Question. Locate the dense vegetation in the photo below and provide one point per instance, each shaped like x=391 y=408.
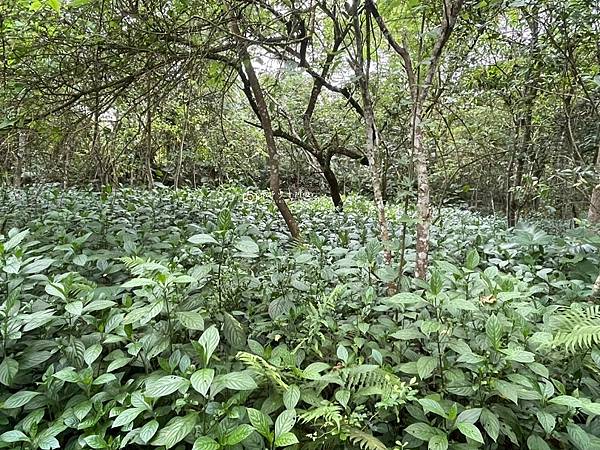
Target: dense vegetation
x=301 y=224
x=166 y=317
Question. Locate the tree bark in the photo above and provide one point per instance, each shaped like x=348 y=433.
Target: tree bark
x=19 y=155
x=421 y=158
x=371 y=135
x=267 y=126
x=594 y=209
x=332 y=181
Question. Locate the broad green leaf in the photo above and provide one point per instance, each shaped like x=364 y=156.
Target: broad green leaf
x=14 y=436
x=202 y=379
x=175 y=431
x=284 y=422
x=209 y=342
x=422 y=431
x=191 y=320
x=238 y=434
x=260 y=421
x=206 y=443
x=91 y=354
x=291 y=396
x=148 y=431
x=470 y=431
x=165 y=386
x=202 y=238
x=547 y=421
x=286 y=439
x=19 y=399
x=438 y=442
x=126 y=417
x=8 y=370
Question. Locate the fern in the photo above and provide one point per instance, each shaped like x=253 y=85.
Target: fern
x=578 y=328
x=364 y=440
x=328 y=414
x=369 y=379
x=263 y=368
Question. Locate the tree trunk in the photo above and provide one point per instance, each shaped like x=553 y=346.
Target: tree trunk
x=181 y=146
x=19 y=155
x=332 y=182
x=371 y=133
x=149 y=154
x=423 y=194
x=267 y=126
x=594 y=210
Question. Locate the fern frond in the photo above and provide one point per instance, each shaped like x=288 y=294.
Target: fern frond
x=329 y=414
x=263 y=368
x=578 y=328
x=368 y=379
x=364 y=440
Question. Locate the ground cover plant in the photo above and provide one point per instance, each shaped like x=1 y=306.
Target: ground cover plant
x=190 y=319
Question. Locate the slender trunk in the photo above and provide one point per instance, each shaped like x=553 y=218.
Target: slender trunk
x=265 y=119
x=149 y=156
x=19 y=155
x=181 y=146
x=371 y=133
x=594 y=209
x=423 y=194
x=332 y=182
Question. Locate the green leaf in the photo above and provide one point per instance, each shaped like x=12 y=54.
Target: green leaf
x=285 y=422
x=578 y=437
x=291 y=396
x=507 y=390
x=126 y=417
x=472 y=259
x=260 y=421
x=438 y=442
x=547 y=421
x=165 y=386
x=202 y=379
x=286 y=439
x=91 y=354
x=233 y=331
x=493 y=330
x=238 y=434
x=8 y=370
x=19 y=399
x=312 y=371
x=535 y=442
x=68 y=374
x=519 y=356
x=176 y=430
x=469 y=416
x=342 y=353
x=191 y=320
x=209 y=342
x=15 y=240
x=490 y=423
x=96 y=442
x=247 y=246
x=430 y=405
x=74 y=308
x=137 y=282
x=148 y=431
x=14 y=436
x=425 y=366
x=206 y=443
x=567 y=400
x=55 y=290
x=202 y=238
x=237 y=381
x=470 y=431
x=422 y=431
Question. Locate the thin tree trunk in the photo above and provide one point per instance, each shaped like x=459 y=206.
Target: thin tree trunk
x=332 y=181
x=181 y=146
x=594 y=209
x=149 y=154
x=423 y=194
x=267 y=126
x=371 y=134
x=19 y=155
